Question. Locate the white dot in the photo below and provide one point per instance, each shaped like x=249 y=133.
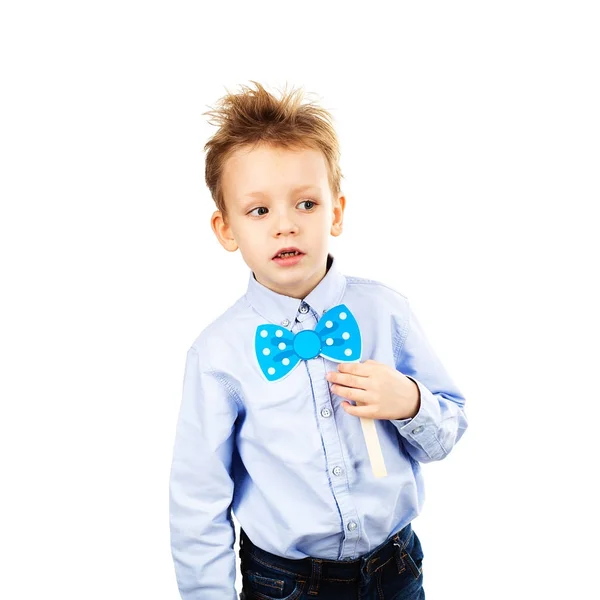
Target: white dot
x=282 y=346
x=286 y=361
x=343 y=315
x=266 y=352
x=329 y=324
x=279 y=333
x=348 y=352
x=264 y=333
x=345 y=335
x=271 y=370
x=329 y=341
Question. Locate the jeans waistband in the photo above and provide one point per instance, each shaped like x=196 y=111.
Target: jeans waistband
x=324 y=569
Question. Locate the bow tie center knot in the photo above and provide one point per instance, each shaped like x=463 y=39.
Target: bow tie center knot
x=307 y=344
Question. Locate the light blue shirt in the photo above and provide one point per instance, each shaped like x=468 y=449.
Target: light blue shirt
x=284 y=455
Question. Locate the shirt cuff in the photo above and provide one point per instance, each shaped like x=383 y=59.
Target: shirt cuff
x=423 y=425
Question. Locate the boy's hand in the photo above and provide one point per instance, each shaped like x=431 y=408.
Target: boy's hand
x=384 y=391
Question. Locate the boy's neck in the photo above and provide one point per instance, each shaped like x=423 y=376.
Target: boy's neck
x=308 y=291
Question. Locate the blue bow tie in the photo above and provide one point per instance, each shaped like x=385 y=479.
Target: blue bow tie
x=336 y=337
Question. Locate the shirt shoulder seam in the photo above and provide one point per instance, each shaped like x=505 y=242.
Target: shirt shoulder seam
x=218 y=374
x=364 y=281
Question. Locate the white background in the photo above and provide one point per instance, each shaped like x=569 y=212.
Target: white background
x=470 y=149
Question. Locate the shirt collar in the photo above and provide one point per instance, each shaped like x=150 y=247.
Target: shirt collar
x=283 y=310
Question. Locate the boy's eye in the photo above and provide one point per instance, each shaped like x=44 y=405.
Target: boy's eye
x=258 y=208
x=308 y=202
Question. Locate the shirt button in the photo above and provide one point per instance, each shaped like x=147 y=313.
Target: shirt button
x=285 y=322
x=337 y=470
x=418 y=429
x=352 y=526
x=325 y=413
x=304 y=308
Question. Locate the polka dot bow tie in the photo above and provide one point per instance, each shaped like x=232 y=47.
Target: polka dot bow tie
x=335 y=337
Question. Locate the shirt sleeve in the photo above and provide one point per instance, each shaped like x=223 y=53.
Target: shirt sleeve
x=441 y=420
x=201 y=485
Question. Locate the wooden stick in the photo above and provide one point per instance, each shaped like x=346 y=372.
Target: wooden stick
x=373 y=445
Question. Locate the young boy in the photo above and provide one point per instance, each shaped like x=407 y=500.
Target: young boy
x=325 y=490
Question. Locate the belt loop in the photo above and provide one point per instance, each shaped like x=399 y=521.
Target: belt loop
x=315 y=577
x=398 y=553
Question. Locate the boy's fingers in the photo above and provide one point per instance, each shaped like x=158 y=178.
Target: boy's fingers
x=359 y=369
x=356 y=394
x=358 y=411
x=353 y=381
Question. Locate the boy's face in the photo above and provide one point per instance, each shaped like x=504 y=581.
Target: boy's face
x=267 y=211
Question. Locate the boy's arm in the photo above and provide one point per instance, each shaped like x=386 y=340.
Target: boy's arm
x=201 y=486
x=441 y=421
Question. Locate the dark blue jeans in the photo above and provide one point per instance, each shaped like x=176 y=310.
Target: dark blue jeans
x=392 y=571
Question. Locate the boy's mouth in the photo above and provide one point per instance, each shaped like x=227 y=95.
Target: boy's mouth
x=288 y=253
x=288 y=257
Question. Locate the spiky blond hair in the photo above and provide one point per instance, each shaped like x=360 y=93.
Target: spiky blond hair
x=255 y=116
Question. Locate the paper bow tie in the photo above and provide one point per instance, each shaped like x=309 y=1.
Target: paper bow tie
x=336 y=337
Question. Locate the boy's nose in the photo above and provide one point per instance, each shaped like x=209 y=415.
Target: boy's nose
x=286 y=225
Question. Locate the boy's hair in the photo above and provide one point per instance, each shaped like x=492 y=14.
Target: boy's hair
x=255 y=117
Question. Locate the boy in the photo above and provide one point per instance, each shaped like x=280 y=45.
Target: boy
x=324 y=490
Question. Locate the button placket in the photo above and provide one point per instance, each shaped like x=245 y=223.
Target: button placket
x=331 y=444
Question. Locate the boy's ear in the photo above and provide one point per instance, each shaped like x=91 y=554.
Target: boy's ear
x=223 y=231
x=338 y=216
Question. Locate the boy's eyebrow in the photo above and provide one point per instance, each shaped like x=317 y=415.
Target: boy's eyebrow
x=299 y=188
